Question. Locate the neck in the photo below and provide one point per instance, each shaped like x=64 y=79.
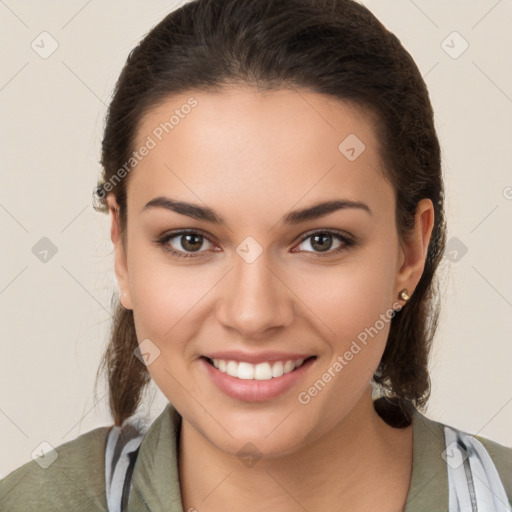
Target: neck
x=372 y=466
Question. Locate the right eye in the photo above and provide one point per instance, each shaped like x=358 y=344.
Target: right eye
x=188 y=240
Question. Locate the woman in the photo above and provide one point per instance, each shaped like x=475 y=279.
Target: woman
x=273 y=177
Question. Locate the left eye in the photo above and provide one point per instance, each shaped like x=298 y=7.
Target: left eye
x=321 y=242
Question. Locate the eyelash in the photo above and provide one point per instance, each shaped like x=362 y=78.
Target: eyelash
x=162 y=241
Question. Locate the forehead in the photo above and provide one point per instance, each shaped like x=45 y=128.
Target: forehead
x=240 y=146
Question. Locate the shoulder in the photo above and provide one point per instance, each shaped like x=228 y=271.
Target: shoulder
x=69 y=477
x=448 y=460
x=502 y=458
x=488 y=460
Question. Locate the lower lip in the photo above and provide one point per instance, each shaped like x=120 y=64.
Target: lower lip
x=251 y=390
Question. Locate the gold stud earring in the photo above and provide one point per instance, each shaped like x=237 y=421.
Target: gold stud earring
x=404 y=295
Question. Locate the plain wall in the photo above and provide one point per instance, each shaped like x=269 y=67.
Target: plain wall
x=55 y=315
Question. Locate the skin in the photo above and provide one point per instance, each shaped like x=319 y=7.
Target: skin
x=253 y=157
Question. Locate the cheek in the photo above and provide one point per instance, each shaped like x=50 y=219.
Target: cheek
x=353 y=305
x=350 y=297
x=162 y=293
x=165 y=299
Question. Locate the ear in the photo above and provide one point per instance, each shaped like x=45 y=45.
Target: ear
x=120 y=261
x=414 y=249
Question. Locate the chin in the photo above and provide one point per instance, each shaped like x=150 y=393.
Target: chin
x=259 y=447
x=262 y=437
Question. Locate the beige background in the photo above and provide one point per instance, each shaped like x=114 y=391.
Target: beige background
x=55 y=314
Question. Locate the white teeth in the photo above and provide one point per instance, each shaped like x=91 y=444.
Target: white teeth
x=232 y=368
x=260 y=371
x=245 y=371
x=263 y=371
x=277 y=369
x=289 y=366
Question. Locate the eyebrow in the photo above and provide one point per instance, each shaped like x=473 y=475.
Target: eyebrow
x=295 y=217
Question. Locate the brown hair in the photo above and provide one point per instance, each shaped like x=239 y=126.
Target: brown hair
x=332 y=47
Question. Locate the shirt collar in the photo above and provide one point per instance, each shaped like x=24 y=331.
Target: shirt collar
x=155 y=474
x=428 y=489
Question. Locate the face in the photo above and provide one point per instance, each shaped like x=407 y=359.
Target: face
x=262 y=276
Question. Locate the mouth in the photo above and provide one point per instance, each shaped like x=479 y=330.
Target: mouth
x=256 y=382
x=266 y=370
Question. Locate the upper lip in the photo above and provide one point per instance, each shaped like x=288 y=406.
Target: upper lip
x=255 y=358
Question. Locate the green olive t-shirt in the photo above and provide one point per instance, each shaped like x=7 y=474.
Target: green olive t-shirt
x=75 y=481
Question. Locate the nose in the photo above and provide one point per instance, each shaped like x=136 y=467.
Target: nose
x=255 y=299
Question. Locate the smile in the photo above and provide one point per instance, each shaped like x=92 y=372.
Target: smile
x=261 y=371
x=256 y=382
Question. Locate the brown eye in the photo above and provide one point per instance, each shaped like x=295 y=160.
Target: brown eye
x=183 y=244
x=191 y=242
x=321 y=242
